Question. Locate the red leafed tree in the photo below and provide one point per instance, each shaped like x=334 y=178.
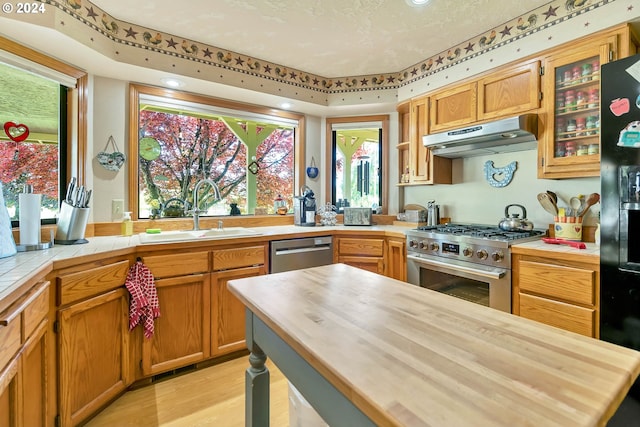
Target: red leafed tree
x=29 y=163
x=276 y=175
x=193 y=148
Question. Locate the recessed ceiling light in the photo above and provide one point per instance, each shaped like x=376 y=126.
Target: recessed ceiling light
x=285 y=105
x=415 y=3
x=172 y=82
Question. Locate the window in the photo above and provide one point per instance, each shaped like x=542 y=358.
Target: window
x=249 y=152
x=358 y=161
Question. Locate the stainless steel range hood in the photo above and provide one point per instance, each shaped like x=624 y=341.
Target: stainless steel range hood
x=505 y=135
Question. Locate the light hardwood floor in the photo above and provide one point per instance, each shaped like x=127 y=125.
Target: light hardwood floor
x=212 y=396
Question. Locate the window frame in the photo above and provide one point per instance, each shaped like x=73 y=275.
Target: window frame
x=384 y=119
x=75 y=113
x=135 y=90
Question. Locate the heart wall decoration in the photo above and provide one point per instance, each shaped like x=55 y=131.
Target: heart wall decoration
x=17 y=132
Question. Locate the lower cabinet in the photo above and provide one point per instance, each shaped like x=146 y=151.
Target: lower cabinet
x=364 y=253
x=396 y=259
x=181 y=333
x=93 y=354
x=228 y=313
x=559 y=292
x=23 y=365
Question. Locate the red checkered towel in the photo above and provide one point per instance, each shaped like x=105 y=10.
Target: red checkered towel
x=144 y=306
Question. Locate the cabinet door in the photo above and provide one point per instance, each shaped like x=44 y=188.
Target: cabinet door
x=454 y=107
x=570 y=146
x=569 y=317
x=181 y=333
x=34 y=377
x=419 y=155
x=228 y=322
x=373 y=264
x=93 y=354
x=396 y=262
x=509 y=92
x=10 y=410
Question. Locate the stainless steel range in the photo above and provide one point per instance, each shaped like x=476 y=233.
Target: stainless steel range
x=468 y=261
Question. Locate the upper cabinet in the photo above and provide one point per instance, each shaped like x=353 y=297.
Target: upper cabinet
x=510 y=91
x=454 y=107
x=417 y=164
x=570 y=145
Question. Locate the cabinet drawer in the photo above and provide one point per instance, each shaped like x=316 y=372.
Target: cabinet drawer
x=36 y=310
x=84 y=284
x=557 y=281
x=178 y=264
x=9 y=336
x=226 y=259
x=561 y=315
x=362 y=247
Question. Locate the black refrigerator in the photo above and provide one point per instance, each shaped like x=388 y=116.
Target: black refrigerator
x=620 y=215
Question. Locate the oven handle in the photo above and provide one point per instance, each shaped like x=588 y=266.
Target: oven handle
x=434 y=263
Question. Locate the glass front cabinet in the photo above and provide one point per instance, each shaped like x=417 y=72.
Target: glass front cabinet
x=571 y=142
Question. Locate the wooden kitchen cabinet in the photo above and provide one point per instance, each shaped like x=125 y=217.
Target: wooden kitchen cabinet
x=559 y=291
x=396 y=259
x=509 y=91
x=365 y=253
x=417 y=165
x=93 y=339
x=453 y=107
x=182 y=332
x=23 y=365
x=228 y=313
x=570 y=145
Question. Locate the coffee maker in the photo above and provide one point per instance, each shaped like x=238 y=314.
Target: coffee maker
x=304 y=208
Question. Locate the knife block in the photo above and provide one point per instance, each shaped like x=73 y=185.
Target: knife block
x=72 y=222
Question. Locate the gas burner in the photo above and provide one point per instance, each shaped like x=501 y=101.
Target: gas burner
x=479 y=231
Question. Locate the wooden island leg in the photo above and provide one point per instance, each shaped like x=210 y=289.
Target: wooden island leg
x=256 y=385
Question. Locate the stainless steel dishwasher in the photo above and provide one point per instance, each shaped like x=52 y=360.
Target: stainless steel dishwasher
x=294 y=254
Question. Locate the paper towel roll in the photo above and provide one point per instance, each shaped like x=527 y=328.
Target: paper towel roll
x=29 y=205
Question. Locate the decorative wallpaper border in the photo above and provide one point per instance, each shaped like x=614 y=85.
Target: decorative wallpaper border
x=95 y=20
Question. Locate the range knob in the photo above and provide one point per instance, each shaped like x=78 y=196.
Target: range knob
x=421 y=245
x=482 y=254
x=434 y=247
x=467 y=252
x=413 y=244
x=497 y=256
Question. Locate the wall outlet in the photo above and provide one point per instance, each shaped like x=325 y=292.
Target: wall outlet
x=117 y=209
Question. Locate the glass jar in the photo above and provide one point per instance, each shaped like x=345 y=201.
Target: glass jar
x=593 y=149
x=571 y=128
x=561 y=126
x=581 y=100
x=591 y=125
x=587 y=70
x=570 y=100
x=560 y=102
x=581 y=124
x=594 y=98
x=569 y=149
x=576 y=74
x=567 y=77
x=560 y=149
x=583 y=150
x=595 y=69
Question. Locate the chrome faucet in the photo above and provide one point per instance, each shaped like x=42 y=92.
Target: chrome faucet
x=196 y=207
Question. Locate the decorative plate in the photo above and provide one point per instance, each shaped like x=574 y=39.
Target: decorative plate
x=149 y=148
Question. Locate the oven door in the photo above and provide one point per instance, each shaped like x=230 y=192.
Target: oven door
x=485 y=285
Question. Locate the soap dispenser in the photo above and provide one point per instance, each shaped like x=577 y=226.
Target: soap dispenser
x=127 y=224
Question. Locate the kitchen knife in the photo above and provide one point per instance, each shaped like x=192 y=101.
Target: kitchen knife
x=577 y=245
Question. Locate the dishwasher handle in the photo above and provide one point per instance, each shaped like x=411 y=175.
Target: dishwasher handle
x=286 y=251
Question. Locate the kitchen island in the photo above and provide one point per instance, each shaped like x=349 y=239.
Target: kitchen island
x=368 y=350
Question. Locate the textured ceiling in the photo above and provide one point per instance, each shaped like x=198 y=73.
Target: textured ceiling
x=330 y=38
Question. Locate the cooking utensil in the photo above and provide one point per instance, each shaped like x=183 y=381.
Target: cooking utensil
x=515 y=223
x=591 y=200
x=575 y=204
x=70 y=188
x=553 y=196
x=577 y=245
x=547 y=202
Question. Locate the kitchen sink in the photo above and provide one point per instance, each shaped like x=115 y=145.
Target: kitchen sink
x=191 y=235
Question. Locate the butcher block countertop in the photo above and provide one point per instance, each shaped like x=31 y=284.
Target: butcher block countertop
x=408 y=356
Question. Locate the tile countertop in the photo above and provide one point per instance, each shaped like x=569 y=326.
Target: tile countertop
x=16 y=271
